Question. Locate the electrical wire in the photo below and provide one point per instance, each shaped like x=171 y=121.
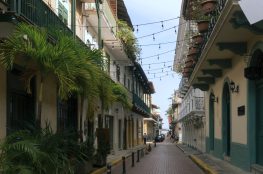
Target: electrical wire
x=157 y=54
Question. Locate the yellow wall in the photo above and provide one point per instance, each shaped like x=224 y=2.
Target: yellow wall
x=2 y=102
x=238 y=123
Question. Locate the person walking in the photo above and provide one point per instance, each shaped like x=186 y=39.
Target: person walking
x=144 y=138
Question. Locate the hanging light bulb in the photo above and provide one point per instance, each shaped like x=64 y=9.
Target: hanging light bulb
x=137 y=30
x=162 y=24
x=160 y=79
x=174 y=29
x=141 y=61
x=158 y=57
x=164 y=64
x=154 y=75
x=153 y=38
x=149 y=66
x=159 y=46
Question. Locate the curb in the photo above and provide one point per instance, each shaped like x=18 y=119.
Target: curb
x=104 y=169
x=180 y=148
x=208 y=169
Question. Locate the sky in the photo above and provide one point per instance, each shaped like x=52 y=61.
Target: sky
x=158 y=69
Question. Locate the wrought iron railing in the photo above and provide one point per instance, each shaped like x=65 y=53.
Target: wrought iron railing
x=214 y=18
x=138 y=102
x=37 y=12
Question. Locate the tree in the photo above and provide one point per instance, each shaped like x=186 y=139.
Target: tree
x=61 y=58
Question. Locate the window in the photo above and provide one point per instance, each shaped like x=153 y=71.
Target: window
x=129 y=87
x=124 y=80
x=118 y=72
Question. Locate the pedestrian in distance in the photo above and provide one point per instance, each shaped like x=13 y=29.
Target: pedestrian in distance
x=144 y=138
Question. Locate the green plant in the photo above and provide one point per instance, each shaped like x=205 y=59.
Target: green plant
x=193 y=11
x=68 y=61
x=41 y=151
x=125 y=34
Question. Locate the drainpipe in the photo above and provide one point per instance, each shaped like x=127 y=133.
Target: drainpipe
x=98 y=2
x=73 y=18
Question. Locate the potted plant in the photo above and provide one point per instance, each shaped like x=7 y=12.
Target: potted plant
x=189 y=63
x=203 y=24
x=193 y=49
x=208 y=6
x=192 y=56
x=197 y=39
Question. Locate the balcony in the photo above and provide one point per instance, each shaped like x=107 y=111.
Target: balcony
x=35 y=12
x=108 y=19
x=193 y=107
x=139 y=106
x=220 y=46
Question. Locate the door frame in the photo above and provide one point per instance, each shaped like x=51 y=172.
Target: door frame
x=211 y=122
x=251 y=106
x=226 y=120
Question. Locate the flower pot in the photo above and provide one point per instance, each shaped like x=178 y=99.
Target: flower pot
x=192 y=56
x=185 y=74
x=187 y=70
x=202 y=26
x=193 y=50
x=189 y=64
x=208 y=6
x=197 y=39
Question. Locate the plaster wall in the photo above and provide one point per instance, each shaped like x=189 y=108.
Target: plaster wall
x=238 y=123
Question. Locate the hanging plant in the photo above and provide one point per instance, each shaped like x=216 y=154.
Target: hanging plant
x=125 y=34
x=197 y=39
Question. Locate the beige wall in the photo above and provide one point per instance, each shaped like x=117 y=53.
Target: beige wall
x=2 y=102
x=238 y=123
x=49 y=106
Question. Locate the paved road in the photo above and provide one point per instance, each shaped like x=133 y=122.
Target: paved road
x=166 y=158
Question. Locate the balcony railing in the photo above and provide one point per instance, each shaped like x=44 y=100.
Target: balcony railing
x=139 y=103
x=37 y=12
x=214 y=17
x=195 y=105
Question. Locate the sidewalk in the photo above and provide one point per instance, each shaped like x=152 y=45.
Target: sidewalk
x=209 y=163
x=116 y=158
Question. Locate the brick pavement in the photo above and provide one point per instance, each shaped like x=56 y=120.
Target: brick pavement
x=166 y=158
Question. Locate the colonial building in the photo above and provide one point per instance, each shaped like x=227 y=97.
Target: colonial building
x=96 y=29
x=190 y=111
x=227 y=67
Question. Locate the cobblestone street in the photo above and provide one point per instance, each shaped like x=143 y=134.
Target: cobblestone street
x=166 y=158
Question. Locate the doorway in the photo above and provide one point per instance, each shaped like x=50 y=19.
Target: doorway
x=226 y=120
x=20 y=103
x=211 y=122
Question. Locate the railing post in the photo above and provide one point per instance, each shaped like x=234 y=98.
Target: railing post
x=108 y=168
x=132 y=159
x=123 y=165
x=138 y=155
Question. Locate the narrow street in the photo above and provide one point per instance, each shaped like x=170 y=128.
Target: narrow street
x=166 y=158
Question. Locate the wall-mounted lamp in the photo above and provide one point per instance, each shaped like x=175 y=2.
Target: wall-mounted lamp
x=214 y=98
x=117 y=110
x=234 y=87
